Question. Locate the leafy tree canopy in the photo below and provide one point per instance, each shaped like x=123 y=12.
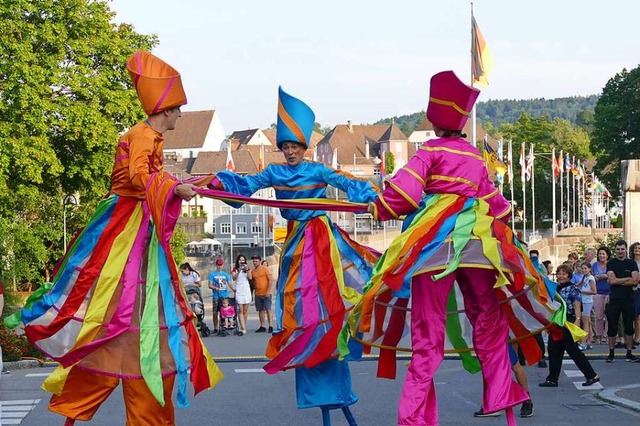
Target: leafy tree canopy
x=616 y=125
x=578 y=110
x=66 y=97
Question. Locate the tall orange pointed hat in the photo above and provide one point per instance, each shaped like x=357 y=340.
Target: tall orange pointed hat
x=158 y=84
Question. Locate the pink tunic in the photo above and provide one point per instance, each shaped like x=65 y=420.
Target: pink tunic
x=445 y=165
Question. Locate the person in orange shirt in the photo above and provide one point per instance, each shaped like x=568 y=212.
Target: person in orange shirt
x=116 y=310
x=261 y=277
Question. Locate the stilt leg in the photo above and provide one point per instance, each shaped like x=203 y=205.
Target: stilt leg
x=326 y=416
x=511 y=418
x=69 y=422
x=349 y=416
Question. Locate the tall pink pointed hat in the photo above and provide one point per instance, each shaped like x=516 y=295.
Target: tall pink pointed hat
x=450 y=101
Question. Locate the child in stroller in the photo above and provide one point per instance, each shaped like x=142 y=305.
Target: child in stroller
x=228 y=319
x=197 y=306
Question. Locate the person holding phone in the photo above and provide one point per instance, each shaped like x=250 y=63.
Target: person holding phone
x=243 y=290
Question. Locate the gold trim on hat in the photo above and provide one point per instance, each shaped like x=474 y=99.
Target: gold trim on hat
x=449 y=103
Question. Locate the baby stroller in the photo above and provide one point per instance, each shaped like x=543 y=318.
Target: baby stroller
x=197 y=306
x=234 y=326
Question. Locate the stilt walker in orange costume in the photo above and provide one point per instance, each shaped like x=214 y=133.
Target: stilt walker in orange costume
x=116 y=309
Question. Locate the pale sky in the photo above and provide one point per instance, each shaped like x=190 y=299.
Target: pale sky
x=366 y=60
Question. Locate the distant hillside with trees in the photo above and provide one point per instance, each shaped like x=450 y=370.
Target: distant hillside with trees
x=578 y=110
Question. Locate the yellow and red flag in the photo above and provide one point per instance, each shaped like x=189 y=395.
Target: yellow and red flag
x=481 y=57
x=492 y=161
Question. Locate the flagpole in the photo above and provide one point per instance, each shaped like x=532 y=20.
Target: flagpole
x=561 y=189
x=524 y=211
x=585 y=206
x=355 y=217
x=231 y=166
x=231 y=239
x=580 y=201
x=334 y=165
x=510 y=168
x=573 y=184
x=264 y=210
x=568 y=192
x=533 y=192
x=593 y=200
x=382 y=177
x=264 y=233
x=501 y=158
x=523 y=165
x=473 y=110
x=553 y=191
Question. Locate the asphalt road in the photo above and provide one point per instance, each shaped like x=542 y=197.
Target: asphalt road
x=247 y=396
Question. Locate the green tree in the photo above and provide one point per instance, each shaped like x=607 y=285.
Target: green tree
x=389 y=163
x=178 y=243
x=66 y=97
x=616 y=134
x=545 y=134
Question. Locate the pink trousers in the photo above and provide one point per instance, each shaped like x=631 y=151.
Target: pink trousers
x=418 y=404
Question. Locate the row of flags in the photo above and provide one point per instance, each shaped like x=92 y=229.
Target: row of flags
x=494 y=160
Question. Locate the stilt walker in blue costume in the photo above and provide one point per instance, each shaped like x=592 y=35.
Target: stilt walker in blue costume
x=311 y=300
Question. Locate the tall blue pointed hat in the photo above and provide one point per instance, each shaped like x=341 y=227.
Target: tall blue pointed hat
x=295 y=120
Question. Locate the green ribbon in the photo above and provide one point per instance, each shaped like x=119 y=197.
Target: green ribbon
x=14 y=320
x=454 y=333
x=461 y=235
x=150 y=328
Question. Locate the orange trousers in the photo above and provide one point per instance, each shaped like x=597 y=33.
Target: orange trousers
x=84 y=392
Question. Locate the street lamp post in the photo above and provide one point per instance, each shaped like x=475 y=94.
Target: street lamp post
x=69 y=200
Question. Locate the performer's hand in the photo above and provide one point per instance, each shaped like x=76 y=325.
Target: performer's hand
x=185 y=191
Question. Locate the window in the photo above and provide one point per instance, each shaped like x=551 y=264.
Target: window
x=214 y=209
x=213 y=228
x=256 y=228
x=225 y=228
x=241 y=228
x=392 y=223
x=225 y=210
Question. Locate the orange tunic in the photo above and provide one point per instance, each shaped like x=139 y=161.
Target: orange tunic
x=138 y=157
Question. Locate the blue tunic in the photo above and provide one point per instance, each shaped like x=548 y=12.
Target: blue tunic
x=327 y=382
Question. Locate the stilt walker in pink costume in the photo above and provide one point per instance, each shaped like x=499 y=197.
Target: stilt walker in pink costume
x=454 y=232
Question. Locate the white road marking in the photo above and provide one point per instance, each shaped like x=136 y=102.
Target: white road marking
x=573 y=373
x=37 y=375
x=249 y=370
x=579 y=386
x=13 y=412
x=20 y=402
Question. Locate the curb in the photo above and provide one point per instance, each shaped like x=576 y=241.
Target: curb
x=609 y=395
x=19 y=365
x=28 y=363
